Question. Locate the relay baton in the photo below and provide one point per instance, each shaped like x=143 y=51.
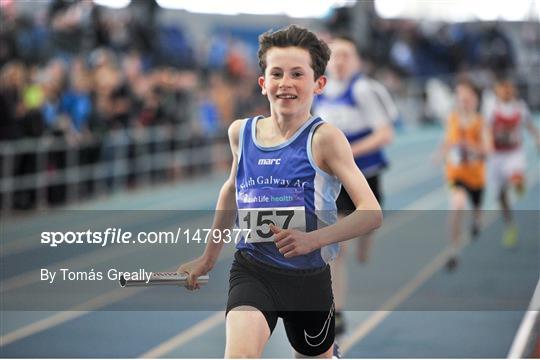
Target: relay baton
x=162 y=278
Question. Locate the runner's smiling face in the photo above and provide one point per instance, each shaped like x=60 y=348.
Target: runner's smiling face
x=289 y=81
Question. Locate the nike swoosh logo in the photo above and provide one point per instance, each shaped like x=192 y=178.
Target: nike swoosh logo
x=313 y=340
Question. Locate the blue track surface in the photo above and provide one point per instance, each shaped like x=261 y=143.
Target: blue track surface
x=473 y=312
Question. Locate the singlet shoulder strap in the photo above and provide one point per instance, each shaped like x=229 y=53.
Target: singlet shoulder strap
x=246 y=123
x=349 y=94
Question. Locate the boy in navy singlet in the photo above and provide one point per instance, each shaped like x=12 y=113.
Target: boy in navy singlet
x=363 y=109
x=286 y=175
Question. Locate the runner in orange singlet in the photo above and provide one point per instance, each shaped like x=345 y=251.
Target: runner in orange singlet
x=465 y=148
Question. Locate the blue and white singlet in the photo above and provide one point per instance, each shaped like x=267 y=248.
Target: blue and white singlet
x=358 y=107
x=283 y=185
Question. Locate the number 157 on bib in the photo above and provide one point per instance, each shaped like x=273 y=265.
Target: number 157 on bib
x=259 y=221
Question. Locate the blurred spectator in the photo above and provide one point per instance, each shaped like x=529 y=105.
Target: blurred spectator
x=108 y=86
x=76 y=101
x=209 y=119
x=20 y=118
x=8 y=19
x=69 y=21
x=12 y=110
x=217 y=52
x=52 y=80
x=175 y=48
x=222 y=96
x=494 y=50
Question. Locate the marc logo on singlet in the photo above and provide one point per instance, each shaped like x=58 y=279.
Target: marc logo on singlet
x=269 y=161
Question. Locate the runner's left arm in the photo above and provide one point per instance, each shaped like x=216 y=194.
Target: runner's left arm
x=337 y=160
x=332 y=153
x=377 y=104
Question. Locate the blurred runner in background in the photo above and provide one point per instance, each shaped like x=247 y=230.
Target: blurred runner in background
x=506 y=117
x=465 y=148
x=363 y=109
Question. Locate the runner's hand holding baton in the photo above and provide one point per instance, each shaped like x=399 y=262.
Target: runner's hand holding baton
x=163 y=278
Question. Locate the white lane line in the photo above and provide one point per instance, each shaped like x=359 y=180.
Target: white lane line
x=29 y=242
x=84 y=312
x=185 y=336
x=39 y=325
x=74 y=263
x=522 y=340
x=70 y=314
x=89 y=259
x=214 y=320
x=378 y=316
x=100 y=255
x=388 y=307
x=77 y=311
x=410 y=179
x=32 y=241
x=403 y=294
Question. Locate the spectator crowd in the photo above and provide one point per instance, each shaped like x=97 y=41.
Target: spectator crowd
x=92 y=81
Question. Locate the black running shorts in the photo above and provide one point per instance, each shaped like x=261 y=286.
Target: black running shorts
x=475 y=195
x=302 y=298
x=345 y=205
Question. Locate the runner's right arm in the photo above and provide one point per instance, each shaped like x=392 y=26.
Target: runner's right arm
x=223 y=218
x=378 y=106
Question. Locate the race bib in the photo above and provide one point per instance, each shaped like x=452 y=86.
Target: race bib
x=506 y=137
x=507 y=131
x=259 y=208
x=456 y=155
x=460 y=155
